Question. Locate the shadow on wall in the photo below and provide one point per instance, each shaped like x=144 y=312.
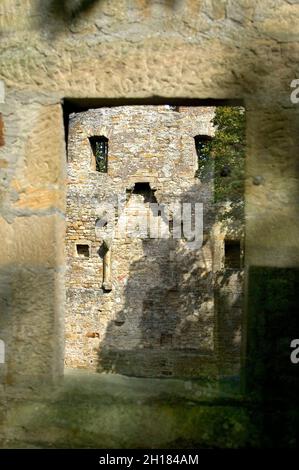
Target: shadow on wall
x=168 y=313
x=175 y=310
x=28 y=327
x=68 y=12
x=249 y=77
x=273 y=291
x=272 y=322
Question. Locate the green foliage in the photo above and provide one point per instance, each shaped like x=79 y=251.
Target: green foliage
x=101 y=156
x=224 y=153
x=203 y=146
x=228 y=151
x=99 y=145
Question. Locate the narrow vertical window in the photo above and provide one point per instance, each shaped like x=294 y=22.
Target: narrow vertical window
x=99 y=147
x=203 y=150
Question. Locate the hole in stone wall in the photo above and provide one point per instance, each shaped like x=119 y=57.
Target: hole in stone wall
x=232 y=254
x=99 y=147
x=201 y=143
x=131 y=261
x=144 y=189
x=82 y=251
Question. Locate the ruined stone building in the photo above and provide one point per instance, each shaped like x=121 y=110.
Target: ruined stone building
x=143 y=303
x=75 y=294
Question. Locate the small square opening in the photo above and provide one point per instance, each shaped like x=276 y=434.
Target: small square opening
x=82 y=251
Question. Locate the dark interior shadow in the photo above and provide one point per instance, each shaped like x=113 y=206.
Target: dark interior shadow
x=70 y=11
x=55 y=15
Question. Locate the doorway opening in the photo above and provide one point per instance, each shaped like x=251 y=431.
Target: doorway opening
x=166 y=303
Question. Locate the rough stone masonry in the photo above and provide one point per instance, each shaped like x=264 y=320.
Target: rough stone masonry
x=131 y=50
x=138 y=50
x=136 y=303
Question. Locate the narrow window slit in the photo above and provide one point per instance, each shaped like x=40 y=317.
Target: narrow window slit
x=99 y=147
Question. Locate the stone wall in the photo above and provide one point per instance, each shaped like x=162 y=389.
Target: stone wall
x=133 y=50
x=159 y=286
x=158 y=316
x=136 y=50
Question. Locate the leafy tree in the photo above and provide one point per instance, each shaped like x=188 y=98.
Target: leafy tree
x=228 y=152
x=224 y=154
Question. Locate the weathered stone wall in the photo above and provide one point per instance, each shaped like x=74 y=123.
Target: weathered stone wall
x=134 y=49
x=32 y=234
x=159 y=316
